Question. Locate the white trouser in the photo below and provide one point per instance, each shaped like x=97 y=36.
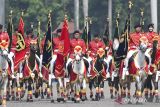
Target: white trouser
x=157 y=75
x=89 y=59
x=108 y=60
x=11 y=56
x=68 y=61
x=147 y=53
x=54 y=57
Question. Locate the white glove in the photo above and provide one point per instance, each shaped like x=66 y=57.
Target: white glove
x=4 y=74
x=108 y=75
x=20 y=75
x=40 y=74
x=32 y=75
x=13 y=76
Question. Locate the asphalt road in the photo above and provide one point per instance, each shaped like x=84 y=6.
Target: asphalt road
x=107 y=102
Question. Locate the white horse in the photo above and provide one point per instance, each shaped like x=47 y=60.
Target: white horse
x=139 y=67
x=3 y=75
x=78 y=74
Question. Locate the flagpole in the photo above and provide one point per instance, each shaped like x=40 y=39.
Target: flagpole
x=10 y=29
x=87 y=29
x=142 y=18
x=39 y=32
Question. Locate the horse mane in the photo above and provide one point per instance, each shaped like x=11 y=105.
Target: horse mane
x=154 y=50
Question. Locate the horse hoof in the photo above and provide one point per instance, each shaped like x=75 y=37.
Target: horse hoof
x=0 y=102
x=102 y=97
x=157 y=101
x=150 y=100
x=112 y=97
x=36 y=95
x=58 y=100
x=76 y=101
x=17 y=99
x=13 y=98
x=52 y=101
x=91 y=96
x=31 y=100
x=42 y=97
x=129 y=102
x=73 y=99
x=83 y=98
x=48 y=97
x=139 y=103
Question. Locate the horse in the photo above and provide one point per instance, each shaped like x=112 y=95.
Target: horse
x=31 y=70
x=98 y=74
x=138 y=66
x=154 y=72
x=114 y=60
x=77 y=73
x=60 y=76
x=4 y=68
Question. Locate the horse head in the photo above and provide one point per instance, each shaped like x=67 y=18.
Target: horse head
x=78 y=53
x=143 y=44
x=99 y=60
x=34 y=45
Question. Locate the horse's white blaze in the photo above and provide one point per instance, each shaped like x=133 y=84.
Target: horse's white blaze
x=78 y=67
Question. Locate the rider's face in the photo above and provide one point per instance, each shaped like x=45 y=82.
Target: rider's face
x=96 y=39
x=76 y=35
x=150 y=29
x=138 y=29
x=59 y=33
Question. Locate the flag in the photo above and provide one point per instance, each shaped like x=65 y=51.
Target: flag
x=116 y=33
x=21 y=26
x=47 y=53
x=89 y=33
x=84 y=35
x=106 y=34
x=9 y=31
x=123 y=46
x=65 y=37
x=21 y=48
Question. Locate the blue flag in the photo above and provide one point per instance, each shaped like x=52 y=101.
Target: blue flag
x=47 y=50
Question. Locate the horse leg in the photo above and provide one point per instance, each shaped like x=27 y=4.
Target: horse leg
x=4 y=91
x=139 y=89
x=0 y=95
x=129 y=88
x=91 y=87
x=13 y=86
x=60 y=90
x=155 y=83
x=148 y=84
x=41 y=88
x=50 y=92
x=29 y=96
x=116 y=85
x=83 y=90
x=66 y=89
x=8 y=90
x=72 y=93
x=97 y=97
x=110 y=87
x=77 y=91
